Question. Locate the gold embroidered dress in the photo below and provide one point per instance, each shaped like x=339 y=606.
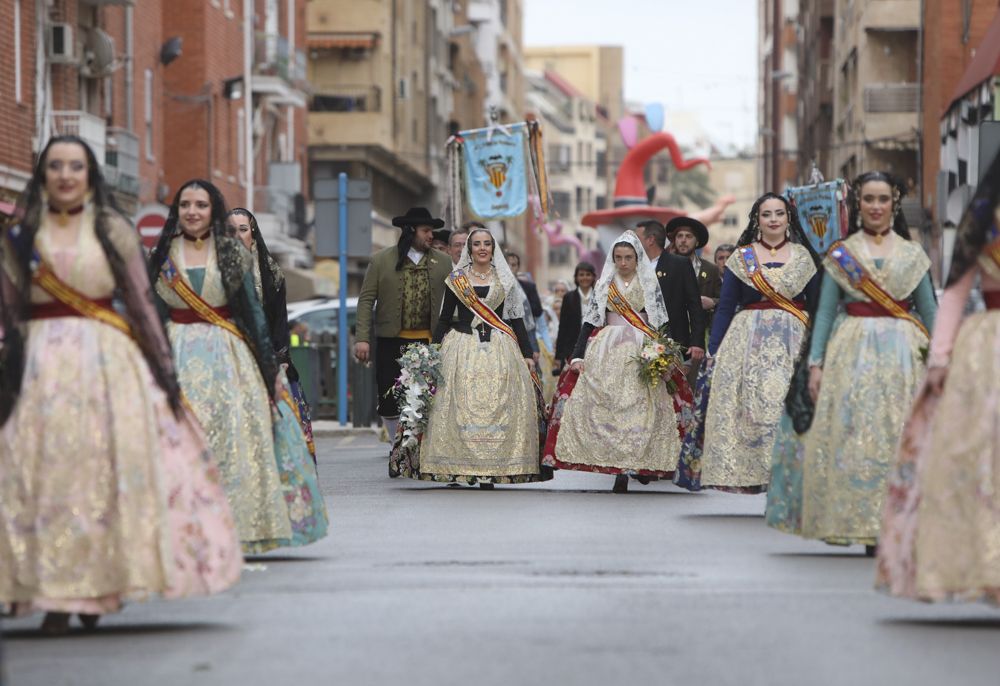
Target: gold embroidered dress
x=871 y=368
x=613 y=422
x=483 y=424
x=752 y=368
x=105 y=495
x=223 y=384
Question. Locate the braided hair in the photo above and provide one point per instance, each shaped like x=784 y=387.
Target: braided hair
x=796 y=234
x=232 y=266
x=899 y=190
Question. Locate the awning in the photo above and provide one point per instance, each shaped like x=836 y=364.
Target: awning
x=984 y=65
x=339 y=41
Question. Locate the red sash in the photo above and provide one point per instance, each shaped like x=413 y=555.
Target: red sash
x=71 y=301
x=861 y=280
x=760 y=282
x=200 y=309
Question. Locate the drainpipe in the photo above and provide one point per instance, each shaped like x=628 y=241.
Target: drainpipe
x=248 y=158
x=129 y=67
x=292 y=65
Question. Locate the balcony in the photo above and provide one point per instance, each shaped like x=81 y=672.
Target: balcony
x=346 y=98
x=83 y=124
x=273 y=57
x=892 y=97
x=891 y=15
x=121 y=161
x=350 y=129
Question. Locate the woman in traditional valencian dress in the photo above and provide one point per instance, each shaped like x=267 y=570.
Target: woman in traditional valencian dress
x=107 y=487
x=484 y=423
x=612 y=422
x=941 y=527
x=768 y=286
x=292 y=430
x=224 y=356
x=865 y=365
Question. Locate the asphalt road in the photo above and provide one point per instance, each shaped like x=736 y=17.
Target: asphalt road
x=558 y=583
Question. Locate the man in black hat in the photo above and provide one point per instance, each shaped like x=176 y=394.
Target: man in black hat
x=679 y=287
x=688 y=236
x=404 y=285
x=441 y=237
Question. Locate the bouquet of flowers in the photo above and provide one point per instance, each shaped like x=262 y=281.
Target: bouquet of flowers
x=660 y=359
x=419 y=378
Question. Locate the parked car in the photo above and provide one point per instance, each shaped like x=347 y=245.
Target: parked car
x=320 y=315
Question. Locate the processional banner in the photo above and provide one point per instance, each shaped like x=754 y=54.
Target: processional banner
x=496 y=170
x=822 y=210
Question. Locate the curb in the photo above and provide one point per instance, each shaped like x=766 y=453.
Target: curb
x=328 y=429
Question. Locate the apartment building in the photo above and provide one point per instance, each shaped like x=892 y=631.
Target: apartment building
x=778 y=112
x=575 y=143
x=815 y=88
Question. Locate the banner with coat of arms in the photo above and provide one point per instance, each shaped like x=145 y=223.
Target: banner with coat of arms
x=822 y=210
x=496 y=171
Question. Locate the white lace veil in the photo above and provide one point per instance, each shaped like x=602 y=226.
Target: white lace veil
x=513 y=301
x=656 y=310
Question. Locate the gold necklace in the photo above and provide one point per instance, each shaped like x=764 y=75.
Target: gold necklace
x=482 y=277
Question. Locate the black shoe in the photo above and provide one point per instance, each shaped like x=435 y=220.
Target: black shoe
x=486 y=486
x=644 y=480
x=89 y=621
x=55 y=624
x=621 y=484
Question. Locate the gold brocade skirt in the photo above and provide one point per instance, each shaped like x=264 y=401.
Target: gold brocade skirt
x=222 y=382
x=753 y=367
x=483 y=424
x=871 y=371
x=941 y=532
x=613 y=421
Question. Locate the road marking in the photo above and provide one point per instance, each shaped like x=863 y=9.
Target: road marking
x=347 y=440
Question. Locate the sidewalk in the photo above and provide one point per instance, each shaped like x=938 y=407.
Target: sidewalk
x=326 y=428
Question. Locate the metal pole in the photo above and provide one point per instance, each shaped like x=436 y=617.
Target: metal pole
x=342 y=333
x=248 y=54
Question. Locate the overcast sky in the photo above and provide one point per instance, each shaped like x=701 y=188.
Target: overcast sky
x=689 y=55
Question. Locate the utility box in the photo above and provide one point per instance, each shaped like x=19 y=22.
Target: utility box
x=327 y=218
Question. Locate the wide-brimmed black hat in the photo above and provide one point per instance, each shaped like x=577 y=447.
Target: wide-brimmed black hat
x=418 y=216
x=697 y=228
x=443 y=235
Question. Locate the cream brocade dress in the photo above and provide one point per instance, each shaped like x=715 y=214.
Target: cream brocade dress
x=940 y=536
x=104 y=494
x=872 y=368
x=613 y=422
x=752 y=369
x=222 y=381
x=483 y=424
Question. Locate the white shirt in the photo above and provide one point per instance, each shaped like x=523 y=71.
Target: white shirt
x=415 y=256
x=696 y=263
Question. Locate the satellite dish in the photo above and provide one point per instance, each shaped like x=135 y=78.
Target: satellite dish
x=171 y=50
x=98 y=54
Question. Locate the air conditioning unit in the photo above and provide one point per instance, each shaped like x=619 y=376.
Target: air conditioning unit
x=59 y=44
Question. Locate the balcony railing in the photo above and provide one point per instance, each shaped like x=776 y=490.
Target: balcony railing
x=121 y=161
x=348 y=98
x=892 y=97
x=273 y=57
x=83 y=124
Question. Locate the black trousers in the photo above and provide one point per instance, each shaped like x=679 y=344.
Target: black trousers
x=387 y=353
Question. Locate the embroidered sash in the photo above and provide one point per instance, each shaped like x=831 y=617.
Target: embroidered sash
x=462 y=287
x=861 y=280
x=172 y=277
x=45 y=278
x=760 y=282
x=622 y=307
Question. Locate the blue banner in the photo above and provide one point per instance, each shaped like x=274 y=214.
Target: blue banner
x=496 y=171
x=822 y=210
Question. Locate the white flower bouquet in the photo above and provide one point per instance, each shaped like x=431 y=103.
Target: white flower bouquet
x=419 y=378
x=660 y=359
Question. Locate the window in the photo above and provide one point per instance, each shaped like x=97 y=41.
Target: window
x=148 y=107
x=17 y=50
x=561 y=203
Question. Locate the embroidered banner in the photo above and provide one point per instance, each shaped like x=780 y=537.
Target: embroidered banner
x=822 y=210
x=496 y=170
x=764 y=286
x=74 y=299
x=172 y=277
x=862 y=281
x=624 y=309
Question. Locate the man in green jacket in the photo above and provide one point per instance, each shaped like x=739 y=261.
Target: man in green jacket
x=404 y=285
